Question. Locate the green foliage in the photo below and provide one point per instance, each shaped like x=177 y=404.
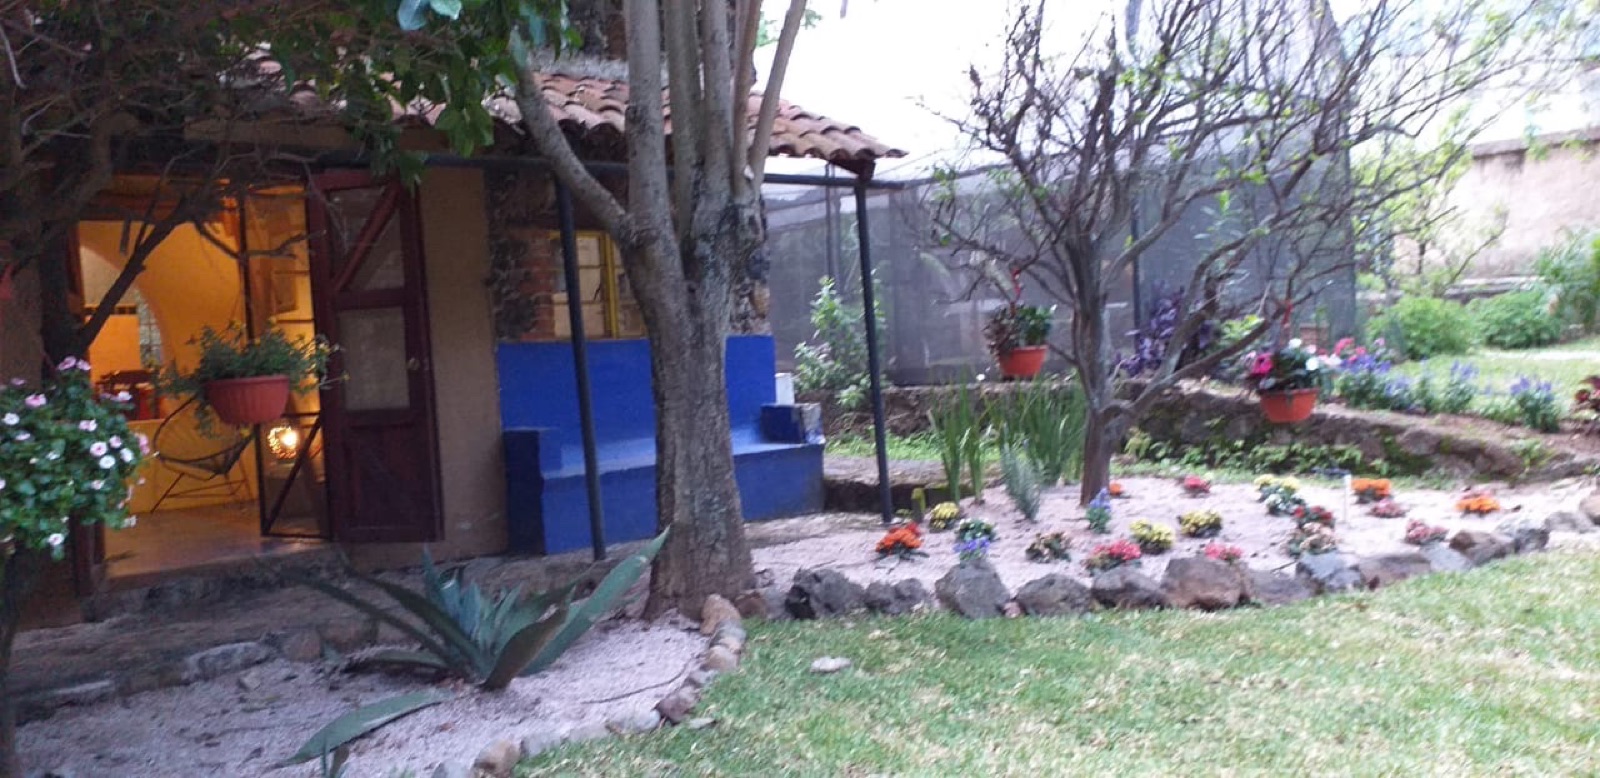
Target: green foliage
x=1516 y=320
x=353 y=724
x=1021 y=480
x=1017 y=325
x=1047 y=420
x=1152 y=538
x=1572 y=271
x=483 y=639
x=231 y=353
x=1423 y=327
x=836 y=359
x=65 y=453
x=1098 y=514
x=958 y=427
x=1200 y=524
x=1255 y=457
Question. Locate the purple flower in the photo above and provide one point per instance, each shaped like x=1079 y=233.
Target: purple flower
x=88 y=425
x=67 y=364
x=97 y=449
x=35 y=401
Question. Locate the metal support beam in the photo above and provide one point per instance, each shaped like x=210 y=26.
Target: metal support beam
x=580 y=366
x=869 y=309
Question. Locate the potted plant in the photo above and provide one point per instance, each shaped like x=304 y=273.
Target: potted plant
x=1016 y=335
x=246 y=381
x=1288 y=380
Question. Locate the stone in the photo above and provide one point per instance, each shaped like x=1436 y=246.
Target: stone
x=972 y=589
x=1445 y=559
x=1482 y=547
x=701 y=722
x=721 y=660
x=301 y=645
x=1590 y=507
x=349 y=635
x=1568 y=521
x=1386 y=569
x=1206 y=584
x=1329 y=573
x=635 y=723
x=453 y=770
x=898 y=598
x=764 y=603
x=539 y=742
x=1011 y=610
x=699 y=678
x=677 y=706
x=730 y=636
x=820 y=593
x=212 y=662
x=1526 y=535
x=765 y=578
x=1125 y=587
x=81 y=694
x=249 y=681
x=1268 y=588
x=714 y=612
x=828 y=665
x=498 y=758
x=1055 y=594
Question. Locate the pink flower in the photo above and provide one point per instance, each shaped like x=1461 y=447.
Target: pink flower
x=144 y=442
x=35 y=401
x=1343 y=344
x=67 y=364
x=97 y=449
x=88 y=425
x=1261 y=365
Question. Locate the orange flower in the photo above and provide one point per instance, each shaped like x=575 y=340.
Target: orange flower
x=1115 y=489
x=1479 y=504
x=906 y=537
x=1371 y=488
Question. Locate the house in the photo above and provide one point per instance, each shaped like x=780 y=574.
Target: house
x=455 y=421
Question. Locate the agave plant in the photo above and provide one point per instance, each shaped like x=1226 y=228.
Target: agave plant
x=486 y=639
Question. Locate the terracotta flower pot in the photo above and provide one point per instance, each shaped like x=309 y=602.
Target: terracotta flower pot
x=1023 y=361
x=1288 y=407
x=243 y=402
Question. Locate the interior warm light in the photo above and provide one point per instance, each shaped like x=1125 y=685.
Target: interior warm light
x=284 y=441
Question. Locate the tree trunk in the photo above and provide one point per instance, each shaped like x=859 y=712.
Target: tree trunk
x=17 y=574
x=696 y=495
x=1099 y=444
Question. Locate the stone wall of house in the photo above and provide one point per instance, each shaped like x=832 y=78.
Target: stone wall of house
x=525 y=259
x=1540 y=192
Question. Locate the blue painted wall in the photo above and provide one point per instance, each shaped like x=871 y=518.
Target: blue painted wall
x=547 y=506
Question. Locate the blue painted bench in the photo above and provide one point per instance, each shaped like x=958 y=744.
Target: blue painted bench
x=777 y=449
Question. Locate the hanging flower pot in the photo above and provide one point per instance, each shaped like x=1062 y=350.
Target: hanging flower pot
x=244 y=402
x=1023 y=361
x=1290 y=406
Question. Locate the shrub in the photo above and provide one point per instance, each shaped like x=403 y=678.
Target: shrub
x=973 y=538
x=1152 y=538
x=1098 y=513
x=1200 y=524
x=1281 y=496
x=1117 y=553
x=1387 y=508
x=1572 y=271
x=1516 y=320
x=836 y=358
x=1049 y=547
x=1536 y=404
x=1425 y=327
x=1021 y=481
x=1151 y=343
x=1364 y=381
x=1588 y=398
x=1018 y=325
x=1370 y=490
x=1046 y=421
x=1314 y=514
x=1196 y=486
x=1459 y=391
x=1420 y=533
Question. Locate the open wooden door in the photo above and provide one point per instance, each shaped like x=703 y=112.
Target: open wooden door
x=378 y=415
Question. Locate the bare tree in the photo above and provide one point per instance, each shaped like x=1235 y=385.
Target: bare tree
x=1243 y=114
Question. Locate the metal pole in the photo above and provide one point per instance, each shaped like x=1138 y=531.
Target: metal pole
x=870 y=314
x=580 y=366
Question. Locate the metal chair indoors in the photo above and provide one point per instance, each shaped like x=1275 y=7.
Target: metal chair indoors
x=205 y=457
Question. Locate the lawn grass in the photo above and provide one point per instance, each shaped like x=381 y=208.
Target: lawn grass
x=1562 y=365
x=1490 y=672
x=919 y=447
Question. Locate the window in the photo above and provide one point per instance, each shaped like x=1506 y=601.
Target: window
x=609 y=309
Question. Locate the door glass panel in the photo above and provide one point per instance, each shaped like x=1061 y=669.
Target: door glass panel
x=384 y=267
x=348 y=211
x=373 y=343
